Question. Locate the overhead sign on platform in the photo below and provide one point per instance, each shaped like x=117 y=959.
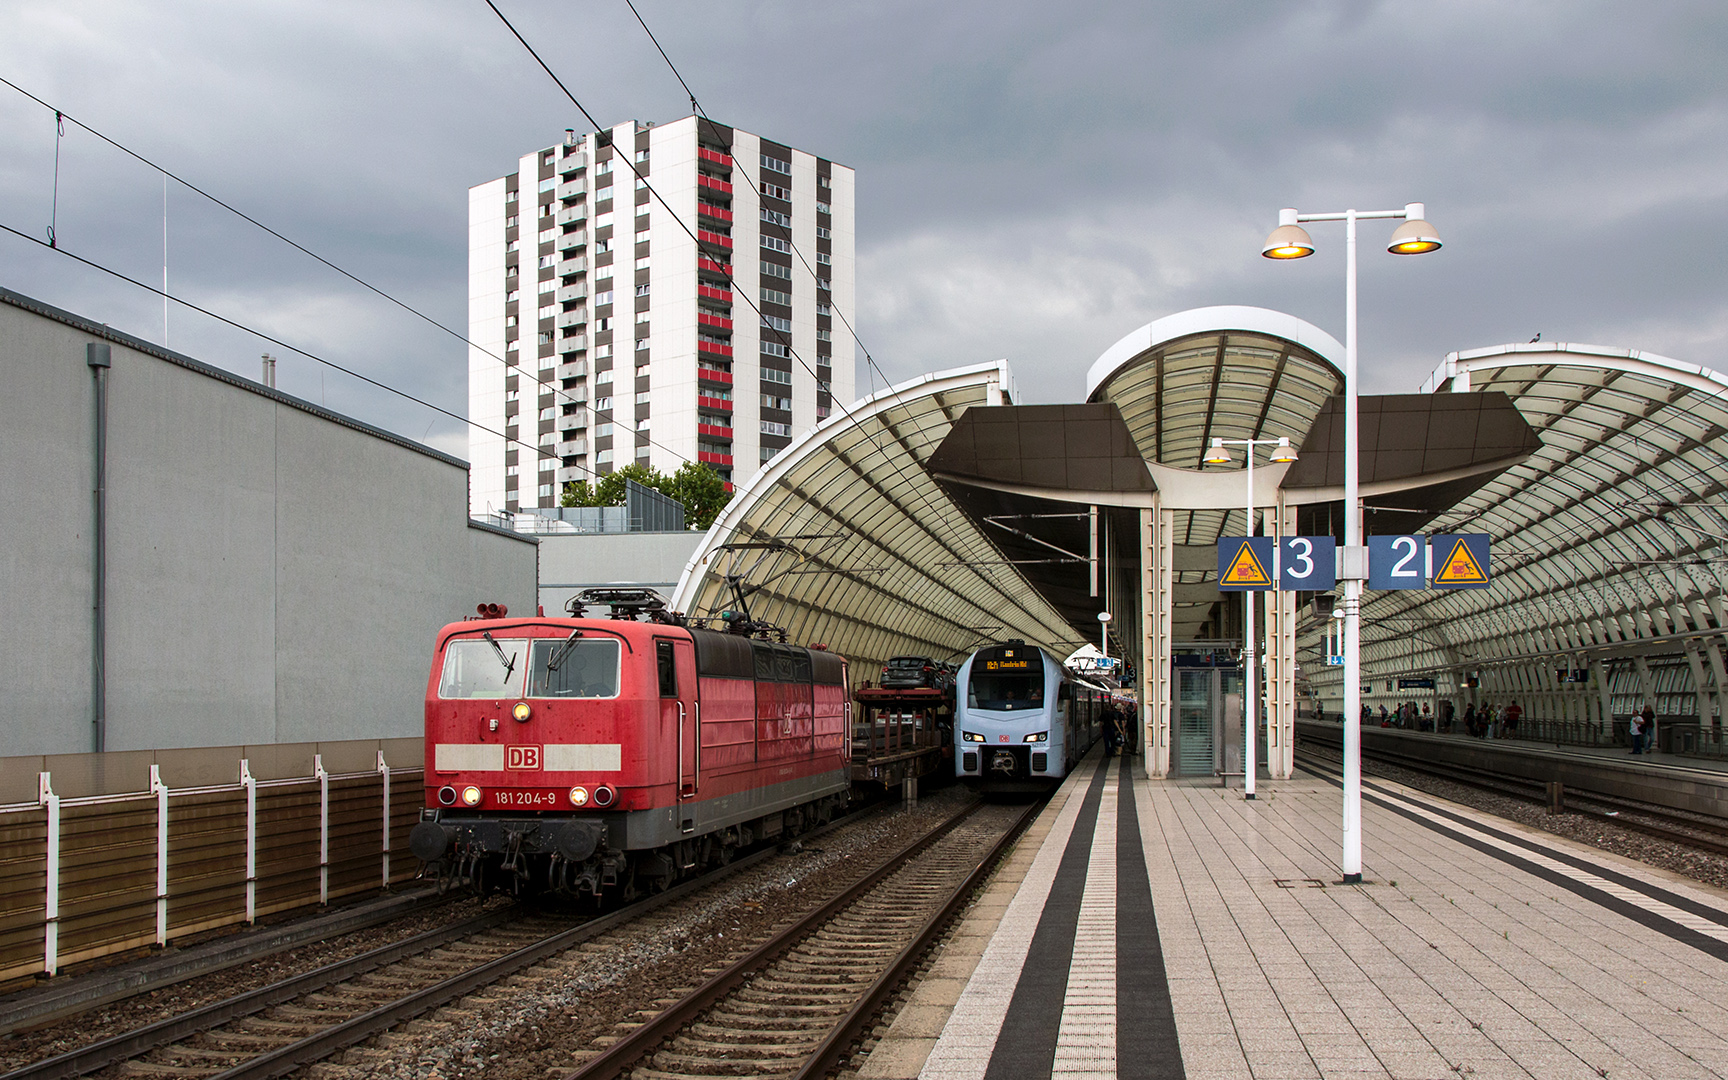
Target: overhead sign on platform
x=1460 y=560
x=1397 y=562
x=1307 y=563
x=1245 y=563
x=1289 y=564
x=1415 y=684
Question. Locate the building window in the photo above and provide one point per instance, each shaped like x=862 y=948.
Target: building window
x=642 y=263
x=641 y=344
x=603 y=298
x=602 y=194
x=824 y=309
x=775 y=217
x=603 y=377
x=548 y=311
x=642 y=290
x=822 y=412
x=769 y=401
x=641 y=184
x=775 y=375
x=775 y=191
x=641 y=155
x=776 y=270
x=825 y=259
x=642 y=237
x=824 y=335
x=774 y=348
x=604 y=457
x=773 y=164
x=774 y=322
x=603 y=404
x=768 y=453
x=603 y=168
x=772 y=296
x=824 y=208
x=642 y=399
x=774 y=243
x=549 y=183
x=548 y=235
x=549 y=259
x=824 y=234
x=509 y=320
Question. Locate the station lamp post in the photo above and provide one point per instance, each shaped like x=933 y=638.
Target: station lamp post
x=1290 y=241
x=1282 y=453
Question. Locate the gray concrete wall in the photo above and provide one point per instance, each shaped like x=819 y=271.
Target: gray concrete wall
x=277 y=572
x=570 y=563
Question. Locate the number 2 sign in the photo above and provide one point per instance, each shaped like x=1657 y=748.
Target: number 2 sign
x=1397 y=562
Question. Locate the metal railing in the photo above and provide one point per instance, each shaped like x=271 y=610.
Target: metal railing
x=88 y=877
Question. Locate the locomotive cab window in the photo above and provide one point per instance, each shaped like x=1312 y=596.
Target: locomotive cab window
x=580 y=668
x=668 y=669
x=1006 y=678
x=481 y=668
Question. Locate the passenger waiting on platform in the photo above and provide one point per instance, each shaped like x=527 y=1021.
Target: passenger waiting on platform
x=1470 y=719
x=1514 y=713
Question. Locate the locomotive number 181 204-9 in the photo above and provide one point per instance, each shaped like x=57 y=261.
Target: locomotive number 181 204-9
x=523 y=799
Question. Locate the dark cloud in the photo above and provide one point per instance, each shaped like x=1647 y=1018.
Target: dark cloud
x=1034 y=180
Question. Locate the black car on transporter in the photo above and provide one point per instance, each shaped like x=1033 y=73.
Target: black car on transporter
x=916 y=672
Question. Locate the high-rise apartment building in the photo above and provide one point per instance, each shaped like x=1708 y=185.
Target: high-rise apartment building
x=618 y=315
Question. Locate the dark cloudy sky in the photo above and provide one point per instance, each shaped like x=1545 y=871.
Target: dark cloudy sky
x=1034 y=180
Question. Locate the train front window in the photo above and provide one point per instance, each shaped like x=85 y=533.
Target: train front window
x=478 y=668
x=584 y=668
x=1007 y=690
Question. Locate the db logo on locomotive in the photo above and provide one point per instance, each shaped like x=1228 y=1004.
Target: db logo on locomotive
x=522 y=757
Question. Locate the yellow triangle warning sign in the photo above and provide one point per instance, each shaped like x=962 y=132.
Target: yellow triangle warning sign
x=1460 y=567
x=1245 y=569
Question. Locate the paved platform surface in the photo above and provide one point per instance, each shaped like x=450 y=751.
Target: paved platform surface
x=1159 y=929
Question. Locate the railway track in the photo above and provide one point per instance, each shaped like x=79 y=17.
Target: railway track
x=796 y=1005
x=278 y=1029
x=1629 y=814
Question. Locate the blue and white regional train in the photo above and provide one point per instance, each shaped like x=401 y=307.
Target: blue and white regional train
x=1022 y=719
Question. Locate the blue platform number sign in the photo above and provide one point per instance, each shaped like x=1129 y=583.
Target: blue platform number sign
x=1307 y=563
x=1460 y=560
x=1397 y=562
x=1245 y=564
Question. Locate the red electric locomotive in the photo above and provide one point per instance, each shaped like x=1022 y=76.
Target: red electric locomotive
x=588 y=755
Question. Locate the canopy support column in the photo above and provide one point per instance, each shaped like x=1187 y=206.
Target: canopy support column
x=1281 y=665
x=1157 y=589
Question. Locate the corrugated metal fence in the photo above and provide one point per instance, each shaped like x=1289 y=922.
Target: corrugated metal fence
x=85 y=877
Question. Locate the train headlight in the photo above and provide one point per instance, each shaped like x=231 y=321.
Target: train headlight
x=1039 y=736
x=521 y=711
x=604 y=796
x=470 y=796
x=973 y=736
x=578 y=796
x=446 y=796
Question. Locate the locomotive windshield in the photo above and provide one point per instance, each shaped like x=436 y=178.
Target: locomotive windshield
x=1006 y=677
x=588 y=667
x=474 y=668
x=481 y=668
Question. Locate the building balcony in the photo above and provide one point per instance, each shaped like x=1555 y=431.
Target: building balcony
x=572 y=240
x=714 y=404
x=714 y=157
x=574 y=369
x=714 y=432
x=577 y=316
x=705 y=262
x=565 y=476
x=568 y=293
x=705 y=319
x=714 y=185
x=572 y=447
x=723 y=461
x=572 y=266
x=713 y=349
x=710 y=210
x=571 y=162
x=724 y=243
x=709 y=292
x=567 y=214
x=569 y=189
x=713 y=375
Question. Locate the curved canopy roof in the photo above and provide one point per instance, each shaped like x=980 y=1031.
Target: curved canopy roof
x=1609 y=540
x=845 y=539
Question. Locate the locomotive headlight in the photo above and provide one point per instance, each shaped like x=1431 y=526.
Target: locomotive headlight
x=1041 y=736
x=973 y=736
x=578 y=796
x=471 y=796
x=521 y=711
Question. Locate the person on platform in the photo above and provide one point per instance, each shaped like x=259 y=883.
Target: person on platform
x=1647 y=728
x=1514 y=713
x=1470 y=719
x=1635 y=729
x=1112 y=731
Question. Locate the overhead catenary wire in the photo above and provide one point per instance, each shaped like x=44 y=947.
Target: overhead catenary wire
x=62 y=117
x=261 y=335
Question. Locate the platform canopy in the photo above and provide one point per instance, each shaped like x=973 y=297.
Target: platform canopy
x=844 y=539
x=1607 y=543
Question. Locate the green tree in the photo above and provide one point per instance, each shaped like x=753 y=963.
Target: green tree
x=695 y=485
x=702 y=492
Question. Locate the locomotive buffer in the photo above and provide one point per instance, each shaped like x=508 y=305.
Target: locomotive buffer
x=901 y=734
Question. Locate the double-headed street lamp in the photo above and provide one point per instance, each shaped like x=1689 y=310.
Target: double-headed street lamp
x=1290 y=241
x=1282 y=453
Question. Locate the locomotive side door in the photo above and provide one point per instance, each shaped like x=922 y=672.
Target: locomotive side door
x=675 y=663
